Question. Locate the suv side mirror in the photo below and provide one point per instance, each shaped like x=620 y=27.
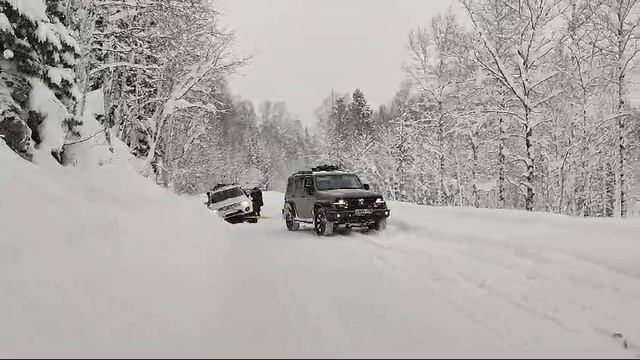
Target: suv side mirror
x=366 y=186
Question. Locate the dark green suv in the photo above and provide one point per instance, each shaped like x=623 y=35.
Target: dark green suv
x=328 y=198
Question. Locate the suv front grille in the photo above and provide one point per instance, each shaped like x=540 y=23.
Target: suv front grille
x=355 y=203
x=228 y=207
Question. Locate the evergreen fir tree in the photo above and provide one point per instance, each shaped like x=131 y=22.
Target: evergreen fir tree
x=36 y=44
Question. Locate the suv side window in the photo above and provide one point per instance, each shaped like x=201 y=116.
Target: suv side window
x=290 y=186
x=298 y=185
x=308 y=181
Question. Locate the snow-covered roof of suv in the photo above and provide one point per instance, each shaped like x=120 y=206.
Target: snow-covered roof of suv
x=331 y=172
x=222 y=188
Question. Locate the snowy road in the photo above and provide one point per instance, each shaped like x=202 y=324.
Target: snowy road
x=407 y=292
x=299 y=294
x=103 y=263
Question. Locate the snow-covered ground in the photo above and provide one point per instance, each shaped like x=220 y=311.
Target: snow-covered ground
x=101 y=262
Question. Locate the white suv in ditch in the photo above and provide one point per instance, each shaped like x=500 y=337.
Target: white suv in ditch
x=231 y=203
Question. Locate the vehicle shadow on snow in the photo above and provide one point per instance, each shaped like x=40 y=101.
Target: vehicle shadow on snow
x=342 y=233
x=273 y=227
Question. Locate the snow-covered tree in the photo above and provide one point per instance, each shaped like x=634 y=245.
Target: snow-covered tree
x=619 y=21
x=38 y=56
x=523 y=67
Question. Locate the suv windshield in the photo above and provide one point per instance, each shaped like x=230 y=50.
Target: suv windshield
x=342 y=181
x=226 y=194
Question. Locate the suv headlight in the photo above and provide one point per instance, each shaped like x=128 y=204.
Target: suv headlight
x=380 y=202
x=245 y=203
x=340 y=203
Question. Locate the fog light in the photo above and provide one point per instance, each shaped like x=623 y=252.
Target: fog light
x=247 y=209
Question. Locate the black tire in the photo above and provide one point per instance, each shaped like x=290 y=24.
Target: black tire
x=289 y=219
x=321 y=225
x=379 y=225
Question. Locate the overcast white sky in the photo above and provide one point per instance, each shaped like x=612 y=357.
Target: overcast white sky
x=305 y=48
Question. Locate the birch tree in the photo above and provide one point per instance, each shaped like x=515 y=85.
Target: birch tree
x=522 y=68
x=436 y=72
x=619 y=20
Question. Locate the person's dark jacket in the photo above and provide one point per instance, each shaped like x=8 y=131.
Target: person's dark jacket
x=256 y=197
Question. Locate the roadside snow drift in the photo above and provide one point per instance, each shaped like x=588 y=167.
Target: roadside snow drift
x=100 y=262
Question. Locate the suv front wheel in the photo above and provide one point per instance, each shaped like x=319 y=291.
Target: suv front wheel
x=322 y=226
x=379 y=225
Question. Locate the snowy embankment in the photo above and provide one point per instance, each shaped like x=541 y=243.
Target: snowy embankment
x=610 y=243
x=101 y=262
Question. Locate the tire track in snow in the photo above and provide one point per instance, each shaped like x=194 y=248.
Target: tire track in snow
x=509 y=272
x=383 y=307
x=472 y=281
x=579 y=310
x=446 y=282
x=449 y=301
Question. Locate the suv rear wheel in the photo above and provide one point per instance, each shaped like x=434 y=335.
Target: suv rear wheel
x=292 y=224
x=322 y=226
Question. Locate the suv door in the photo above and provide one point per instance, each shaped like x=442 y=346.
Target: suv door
x=289 y=195
x=305 y=201
x=296 y=193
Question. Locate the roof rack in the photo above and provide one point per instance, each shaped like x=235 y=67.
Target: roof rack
x=303 y=172
x=325 y=168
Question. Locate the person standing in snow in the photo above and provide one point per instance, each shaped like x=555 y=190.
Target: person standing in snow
x=256 y=199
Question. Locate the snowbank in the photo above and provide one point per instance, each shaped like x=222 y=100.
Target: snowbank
x=101 y=262
x=612 y=243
